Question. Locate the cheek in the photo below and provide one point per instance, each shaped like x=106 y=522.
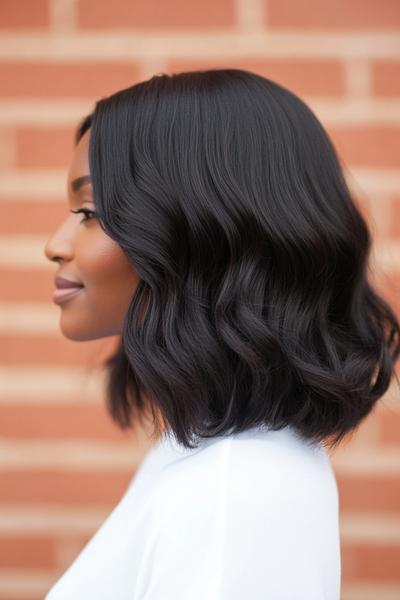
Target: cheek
x=109 y=278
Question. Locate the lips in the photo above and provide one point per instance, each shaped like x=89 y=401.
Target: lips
x=66 y=288
x=62 y=282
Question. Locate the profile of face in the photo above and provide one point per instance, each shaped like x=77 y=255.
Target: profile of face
x=87 y=256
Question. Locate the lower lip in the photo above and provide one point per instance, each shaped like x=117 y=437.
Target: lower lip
x=60 y=295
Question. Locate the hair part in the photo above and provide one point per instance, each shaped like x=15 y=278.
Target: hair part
x=254 y=305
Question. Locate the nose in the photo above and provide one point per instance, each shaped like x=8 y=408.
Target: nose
x=60 y=244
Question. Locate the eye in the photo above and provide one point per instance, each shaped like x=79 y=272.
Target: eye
x=89 y=214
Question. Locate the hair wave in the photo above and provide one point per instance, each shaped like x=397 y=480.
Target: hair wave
x=253 y=305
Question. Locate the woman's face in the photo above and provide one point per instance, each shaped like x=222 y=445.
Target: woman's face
x=88 y=256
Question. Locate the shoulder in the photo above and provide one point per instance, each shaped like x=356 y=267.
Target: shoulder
x=252 y=469
x=240 y=507
x=279 y=463
x=194 y=479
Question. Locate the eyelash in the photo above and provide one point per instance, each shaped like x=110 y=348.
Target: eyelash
x=86 y=212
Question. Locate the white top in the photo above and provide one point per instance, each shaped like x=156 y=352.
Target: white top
x=249 y=515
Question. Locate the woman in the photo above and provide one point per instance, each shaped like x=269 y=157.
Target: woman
x=220 y=240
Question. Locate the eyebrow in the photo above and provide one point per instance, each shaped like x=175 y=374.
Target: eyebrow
x=77 y=183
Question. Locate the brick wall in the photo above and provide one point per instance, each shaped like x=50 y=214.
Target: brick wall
x=63 y=465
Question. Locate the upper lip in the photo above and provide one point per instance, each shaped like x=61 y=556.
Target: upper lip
x=61 y=282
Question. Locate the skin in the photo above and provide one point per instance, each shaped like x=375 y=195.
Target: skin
x=87 y=255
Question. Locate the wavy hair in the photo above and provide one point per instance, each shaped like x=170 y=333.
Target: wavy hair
x=253 y=305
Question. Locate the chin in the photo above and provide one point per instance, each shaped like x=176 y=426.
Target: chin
x=83 y=334
x=78 y=336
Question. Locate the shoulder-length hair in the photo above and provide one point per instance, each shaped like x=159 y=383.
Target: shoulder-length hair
x=253 y=305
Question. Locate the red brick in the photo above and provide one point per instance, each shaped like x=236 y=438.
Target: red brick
x=385 y=78
x=35 y=349
x=64 y=488
x=7 y=153
x=391 y=293
x=15 y=14
x=389 y=426
x=28 y=552
x=65 y=80
x=30 y=594
x=42 y=217
x=44 y=147
x=375 y=146
x=47 y=421
x=317 y=77
x=353 y=15
x=362 y=204
x=17 y=285
x=155 y=14
x=369 y=493
x=370 y=562
x=395 y=221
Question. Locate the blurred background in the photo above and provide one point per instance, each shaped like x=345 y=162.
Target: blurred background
x=63 y=464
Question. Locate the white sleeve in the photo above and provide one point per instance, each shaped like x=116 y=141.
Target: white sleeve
x=235 y=535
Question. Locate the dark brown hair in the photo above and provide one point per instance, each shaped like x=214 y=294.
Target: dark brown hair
x=254 y=305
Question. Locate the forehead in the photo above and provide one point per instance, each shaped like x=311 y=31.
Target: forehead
x=79 y=164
